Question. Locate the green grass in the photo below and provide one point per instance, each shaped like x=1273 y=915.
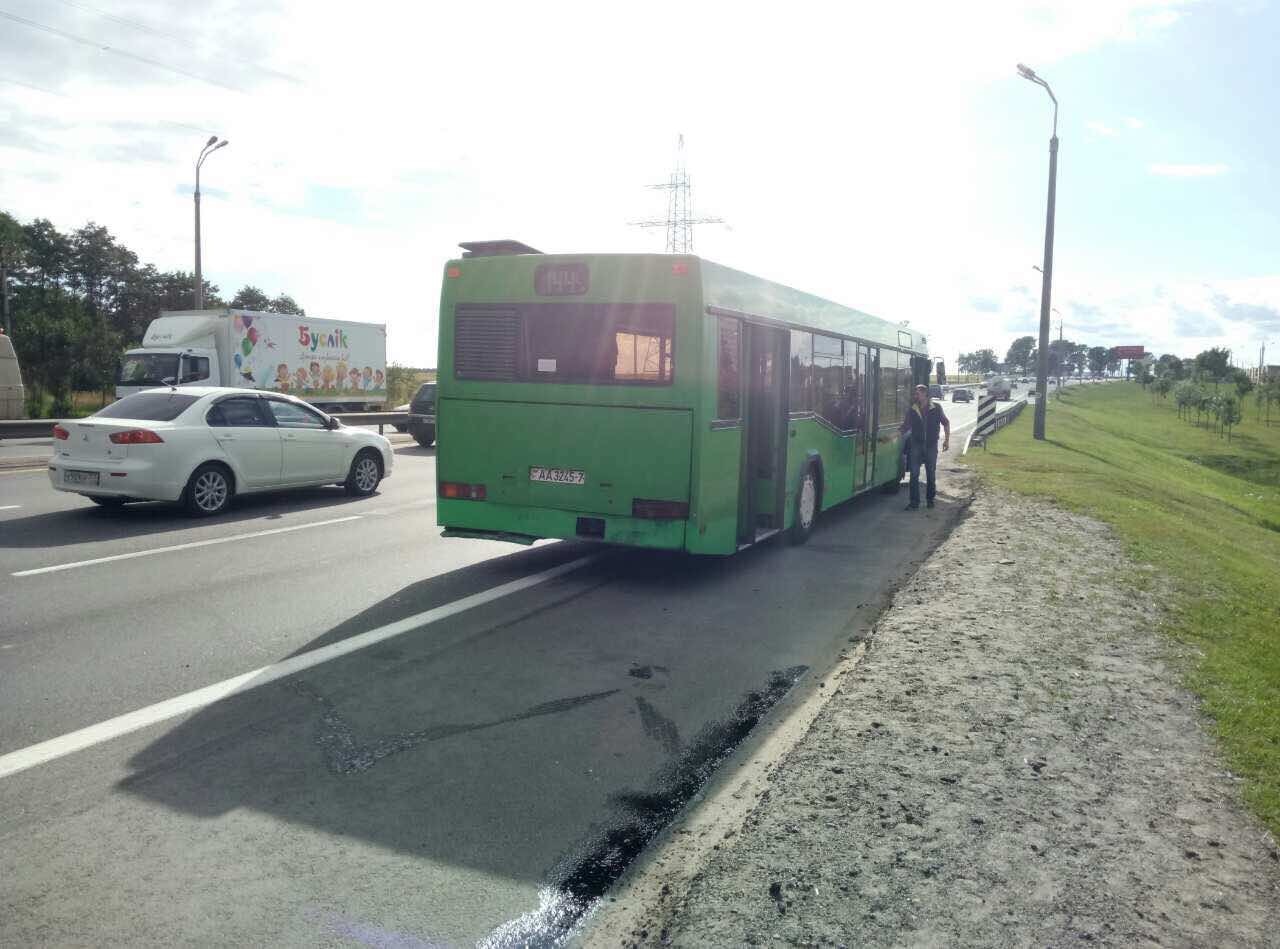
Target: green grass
x=1203 y=510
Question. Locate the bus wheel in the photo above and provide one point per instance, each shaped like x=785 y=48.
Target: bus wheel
x=808 y=502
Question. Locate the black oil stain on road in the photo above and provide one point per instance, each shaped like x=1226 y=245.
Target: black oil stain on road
x=582 y=882
x=658 y=727
x=344 y=754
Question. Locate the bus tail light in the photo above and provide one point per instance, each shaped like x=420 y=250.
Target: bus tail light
x=453 y=272
x=136 y=436
x=60 y=433
x=659 y=510
x=461 y=492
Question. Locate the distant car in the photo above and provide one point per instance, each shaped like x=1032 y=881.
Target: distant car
x=935 y=392
x=204 y=445
x=422 y=415
x=961 y=395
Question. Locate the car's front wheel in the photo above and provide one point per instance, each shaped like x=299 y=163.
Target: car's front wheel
x=424 y=435
x=365 y=474
x=209 y=490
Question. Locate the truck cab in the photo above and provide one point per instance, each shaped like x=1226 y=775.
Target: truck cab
x=148 y=368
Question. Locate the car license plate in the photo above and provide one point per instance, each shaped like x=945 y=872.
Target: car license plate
x=80 y=477
x=558 y=475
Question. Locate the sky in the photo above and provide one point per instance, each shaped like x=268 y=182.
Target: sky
x=885 y=156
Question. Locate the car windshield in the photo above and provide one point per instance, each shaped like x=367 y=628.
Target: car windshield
x=149 y=406
x=148 y=369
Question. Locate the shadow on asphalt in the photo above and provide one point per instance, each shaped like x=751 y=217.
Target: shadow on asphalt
x=547 y=736
x=91 y=524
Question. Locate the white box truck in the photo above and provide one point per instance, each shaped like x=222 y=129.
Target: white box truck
x=13 y=397
x=336 y=365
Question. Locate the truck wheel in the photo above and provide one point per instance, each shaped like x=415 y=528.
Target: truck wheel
x=425 y=435
x=808 y=504
x=209 y=490
x=366 y=472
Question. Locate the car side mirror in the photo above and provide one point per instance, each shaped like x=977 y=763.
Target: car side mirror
x=333 y=424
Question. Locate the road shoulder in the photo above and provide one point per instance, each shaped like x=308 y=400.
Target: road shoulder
x=1013 y=762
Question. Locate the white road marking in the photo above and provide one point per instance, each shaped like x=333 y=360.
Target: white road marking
x=9 y=507
x=189 y=546
x=72 y=742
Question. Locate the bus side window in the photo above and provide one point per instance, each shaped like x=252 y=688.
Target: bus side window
x=801 y=396
x=891 y=410
x=729 y=375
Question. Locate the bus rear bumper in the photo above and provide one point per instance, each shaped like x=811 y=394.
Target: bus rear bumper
x=523 y=525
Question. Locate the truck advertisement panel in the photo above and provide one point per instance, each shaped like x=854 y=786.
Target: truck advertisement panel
x=312 y=359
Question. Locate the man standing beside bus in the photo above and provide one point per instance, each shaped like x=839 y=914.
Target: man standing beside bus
x=922 y=422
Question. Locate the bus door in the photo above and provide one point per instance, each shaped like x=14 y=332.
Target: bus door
x=764 y=460
x=868 y=377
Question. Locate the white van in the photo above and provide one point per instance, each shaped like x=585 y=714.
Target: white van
x=13 y=396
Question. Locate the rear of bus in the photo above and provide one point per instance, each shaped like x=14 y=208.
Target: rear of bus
x=566 y=396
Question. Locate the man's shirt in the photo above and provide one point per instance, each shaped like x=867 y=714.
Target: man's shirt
x=924 y=427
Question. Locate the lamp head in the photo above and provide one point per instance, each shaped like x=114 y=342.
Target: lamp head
x=212 y=140
x=1026 y=72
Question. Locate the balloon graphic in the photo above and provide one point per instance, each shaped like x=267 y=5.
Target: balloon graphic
x=253 y=335
x=238 y=360
x=238 y=323
x=248 y=321
x=246 y=346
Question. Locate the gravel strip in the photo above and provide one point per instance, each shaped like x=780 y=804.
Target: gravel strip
x=1014 y=763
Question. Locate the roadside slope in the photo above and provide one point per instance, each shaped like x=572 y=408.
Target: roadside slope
x=1013 y=763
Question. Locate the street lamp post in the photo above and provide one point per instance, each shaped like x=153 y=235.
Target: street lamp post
x=1042 y=363
x=210 y=147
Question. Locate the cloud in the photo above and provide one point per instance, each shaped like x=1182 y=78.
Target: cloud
x=1100 y=128
x=1133 y=123
x=1166 y=170
x=985 y=305
x=1195 y=324
x=1263 y=317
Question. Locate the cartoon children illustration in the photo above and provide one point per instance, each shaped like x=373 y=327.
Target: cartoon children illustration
x=300 y=380
x=379 y=380
x=341 y=375
x=368 y=378
x=327 y=375
x=315 y=375
x=354 y=376
x=282 y=377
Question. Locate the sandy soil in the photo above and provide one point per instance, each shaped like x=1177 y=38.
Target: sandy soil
x=1013 y=763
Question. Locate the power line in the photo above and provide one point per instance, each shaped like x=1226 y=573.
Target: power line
x=184 y=40
x=54 y=31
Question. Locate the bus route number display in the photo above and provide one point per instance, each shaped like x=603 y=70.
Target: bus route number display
x=560 y=280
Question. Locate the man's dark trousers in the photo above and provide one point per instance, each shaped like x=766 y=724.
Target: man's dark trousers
x=929 y=458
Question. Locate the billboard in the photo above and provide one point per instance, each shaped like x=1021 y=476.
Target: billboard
x=1128 y=352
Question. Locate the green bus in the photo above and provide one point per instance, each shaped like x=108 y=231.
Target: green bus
x=657 y=400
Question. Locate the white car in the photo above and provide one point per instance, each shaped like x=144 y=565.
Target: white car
x=204 y=445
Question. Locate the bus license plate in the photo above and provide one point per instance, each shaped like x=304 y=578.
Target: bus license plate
x=558 y=475
x=80 y=477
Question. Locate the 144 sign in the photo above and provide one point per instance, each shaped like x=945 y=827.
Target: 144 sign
x=1128 y=352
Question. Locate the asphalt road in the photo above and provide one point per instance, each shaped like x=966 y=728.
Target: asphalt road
x=456 y=781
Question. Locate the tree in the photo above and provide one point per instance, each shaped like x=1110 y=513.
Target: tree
x=1214 y=363
x=50 y=325
x=980 y=360
x=251 y=298
x=1244 y=385
x=100 y=269
x=1141 y=372
x=48 y=254
x=1080 y=359
x=1163 y=386
x=1169 y=365
x=1098 y=357
x=1019 y=356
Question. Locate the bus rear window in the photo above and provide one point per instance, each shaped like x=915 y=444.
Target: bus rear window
x=595 y=343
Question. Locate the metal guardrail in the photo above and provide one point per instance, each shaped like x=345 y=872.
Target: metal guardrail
x=43 y=427
x=27 y=428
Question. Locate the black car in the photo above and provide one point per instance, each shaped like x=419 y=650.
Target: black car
x=422 y=415
x=961 y=395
